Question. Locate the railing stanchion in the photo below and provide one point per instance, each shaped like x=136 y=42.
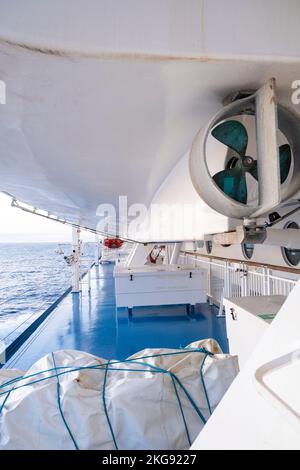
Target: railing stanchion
x=89 y=279
x=244 y=280
x=223 y=280
x=269 y=281
x=209 y=287
x=97 y=250
x=76 y=284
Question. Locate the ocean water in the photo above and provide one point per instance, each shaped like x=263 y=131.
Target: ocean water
x=32 y=277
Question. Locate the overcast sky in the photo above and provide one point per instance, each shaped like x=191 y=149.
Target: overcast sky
x=19 y=226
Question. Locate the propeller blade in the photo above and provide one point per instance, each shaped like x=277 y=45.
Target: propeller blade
x=233 y=134
x=285 y=157
x=253 y=170
x=233 y=183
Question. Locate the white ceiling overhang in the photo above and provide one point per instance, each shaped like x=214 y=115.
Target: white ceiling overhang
x=103 y=101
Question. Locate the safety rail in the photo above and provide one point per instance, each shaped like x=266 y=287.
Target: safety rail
x=230 y=278
x=11 y=342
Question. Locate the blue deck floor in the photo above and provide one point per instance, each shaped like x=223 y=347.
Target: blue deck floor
x=90 y=322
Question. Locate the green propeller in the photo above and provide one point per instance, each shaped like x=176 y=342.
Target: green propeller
x=232 y=180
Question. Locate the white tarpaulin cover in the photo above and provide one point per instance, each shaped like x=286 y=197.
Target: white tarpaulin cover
x=156 y=399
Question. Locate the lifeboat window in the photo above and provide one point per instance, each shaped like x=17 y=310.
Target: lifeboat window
x=248 y=249
x=199 y=244
x=291 y=256
x=208 y=245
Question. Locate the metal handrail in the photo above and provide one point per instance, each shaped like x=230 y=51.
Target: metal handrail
x=233 y=278
x=245 y=262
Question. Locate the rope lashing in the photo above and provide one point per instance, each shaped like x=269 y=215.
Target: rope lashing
x=59 y=371
x=105 y=407
x=203 y=383
x=60 y=407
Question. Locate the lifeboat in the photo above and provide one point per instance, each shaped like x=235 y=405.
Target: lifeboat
x=113 y=243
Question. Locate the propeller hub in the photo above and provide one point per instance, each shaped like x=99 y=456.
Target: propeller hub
x=247 y=162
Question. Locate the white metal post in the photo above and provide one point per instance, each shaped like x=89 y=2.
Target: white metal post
x=209 y=289
x=97 y=250
x=266 y=283
x=89 y=279
x=244 y=283
x=226 y=280
x=76 y=285
x=226 y=289
x=166 y=259
x=269 y=281
x=175 y=253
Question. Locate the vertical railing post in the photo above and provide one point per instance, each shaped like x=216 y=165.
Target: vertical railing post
x=209 y=286
x=89 y=279
x=226 y=292
x=166 y=259
x=266 y=281
x=267 y=287
x=241 y=280
x=270 y=285
x=244 y=280
x=76 y=287
x=97 y=250
x=229 y=268
x=175 y=253
x=226 y=280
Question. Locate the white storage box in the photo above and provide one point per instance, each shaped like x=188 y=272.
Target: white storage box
x=247 y=319
x=160 y=285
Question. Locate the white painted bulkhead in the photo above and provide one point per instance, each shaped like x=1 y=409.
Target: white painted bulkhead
x=107 y=105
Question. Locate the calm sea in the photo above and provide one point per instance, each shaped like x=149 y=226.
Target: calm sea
x=32 y=277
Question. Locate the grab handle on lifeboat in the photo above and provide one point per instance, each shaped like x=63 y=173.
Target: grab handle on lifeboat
x=269 y=394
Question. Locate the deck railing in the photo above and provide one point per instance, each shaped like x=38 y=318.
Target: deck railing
x=229 y=278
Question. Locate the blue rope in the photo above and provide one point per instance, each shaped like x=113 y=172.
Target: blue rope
x=67 y=372
x=21 y=377
x=174 y=376
x=60 y=408
x=181 y=351
x=182 y=413
x=203 y=384
x=100 y=367
x=106 y=368
x=5 y=399
x=105 y=407
x=190 y=399
x=163 y=371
